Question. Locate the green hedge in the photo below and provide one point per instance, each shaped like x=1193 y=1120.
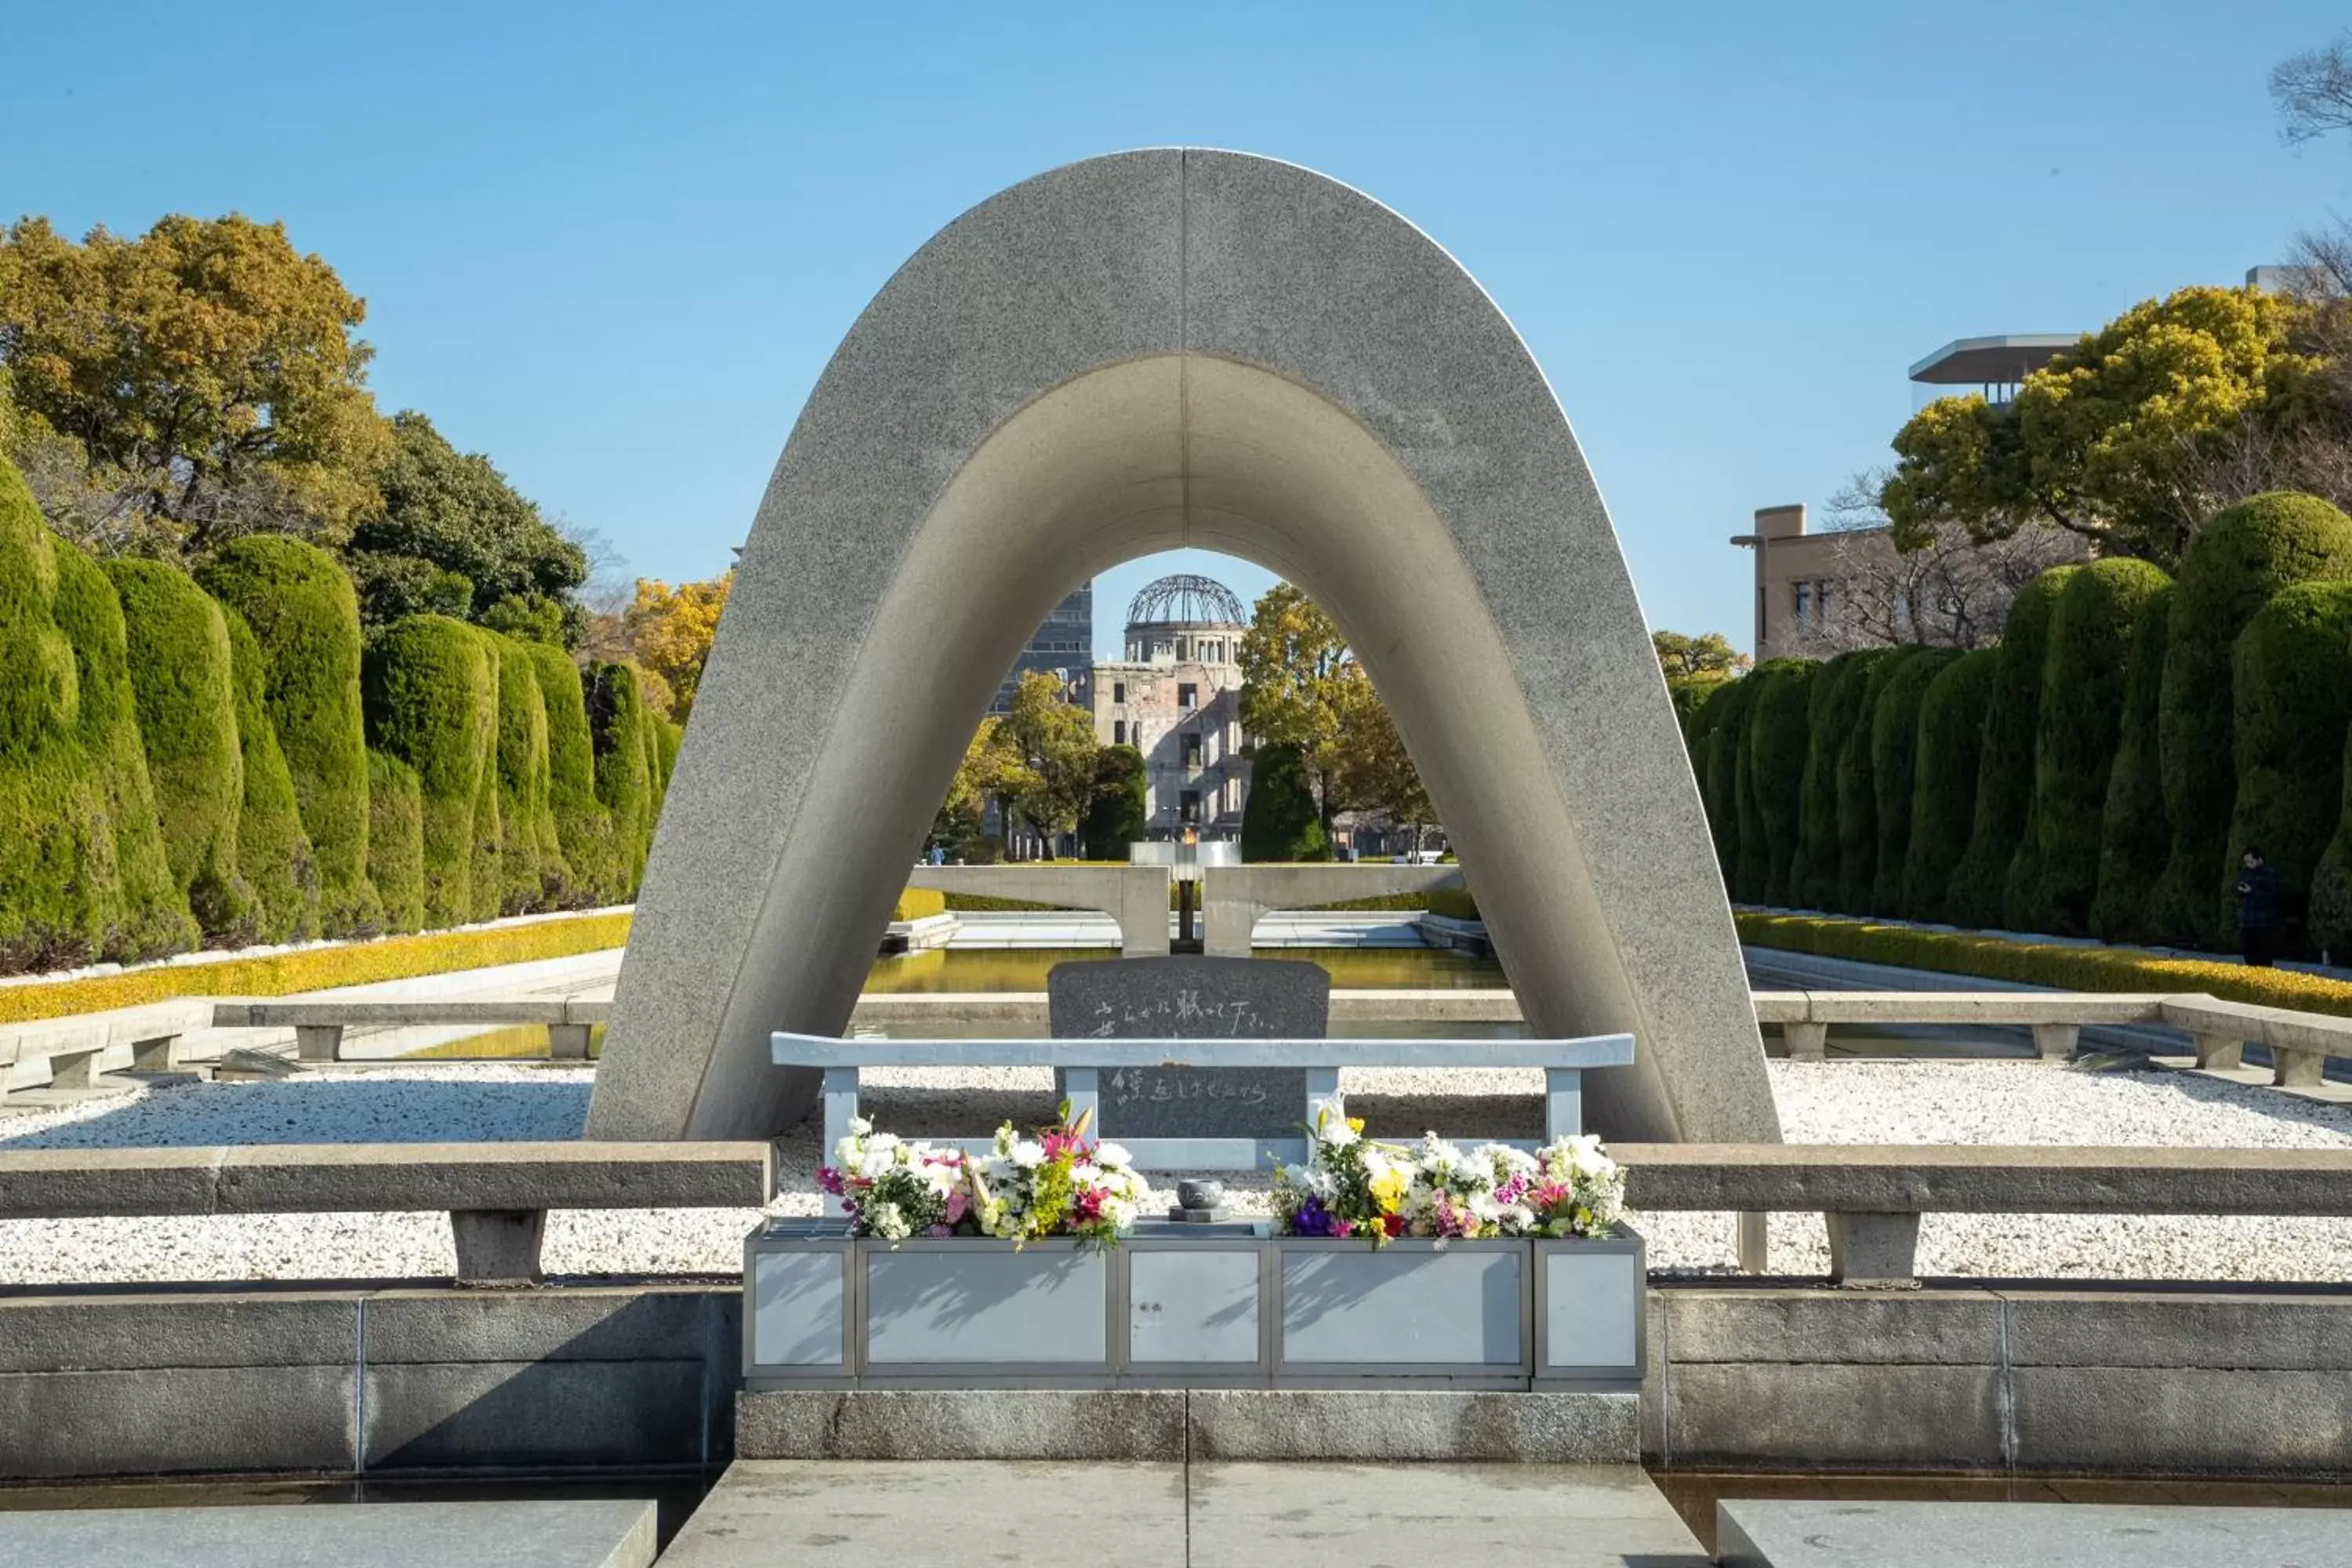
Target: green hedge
x=1279 y=821
x=1979 y=889
x=1833 y=711
x=432 y=703
x=2056 y=873
x=2331 y=883
x=1726 y=734
x=2065 y=966
x=1947 y=759
x=2291 y=685
x=583 y=829
x=1894 y=761
x=2245 y=554
x=530 y=861
x=1116 y=816
x=625 y=783
x=177 y=641
x=59 y=888
x=151 y=918
x=306 y=618
x=1857 y=785
x=1778 y=730
x=2133 y=836
x=397 y=841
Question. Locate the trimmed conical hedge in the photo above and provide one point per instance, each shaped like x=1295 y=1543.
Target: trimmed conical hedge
x=2331 y=882
x=1727 y=733
x=1857 y=787
x=1778 y=729
x=153 y=919
x=59 y=892
x=624 y=781
x=2055 y=875
x=306 y=617
x=2246 y=554
x=177 y=642
x=397 y=841
x=1979 y=887
x=583 y=829
x=1834 y=704
x=1279 y=821
x=1894 y=762
x=273 y=853
x=1949 y=757
x=432 y=703
x=2133 y=836
x=2291 y=684
x=1116 y=813
x=531 y=871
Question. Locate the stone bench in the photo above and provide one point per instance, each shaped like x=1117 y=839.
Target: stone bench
x=69 y=1053
x=1873 y=1195
x=1083 y=1061
x=2057 y=1018
x=497 y=1194
x=318 y=1025
x=2299 y=1043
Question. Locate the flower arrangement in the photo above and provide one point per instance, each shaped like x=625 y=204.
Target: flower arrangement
x=1058 y=1183
x=1352 y=1186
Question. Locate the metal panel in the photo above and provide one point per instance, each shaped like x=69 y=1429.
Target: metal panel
x=1194 y=1305
x=963 y=1303
x=1409 y=1307
x=1592 y=1316
x=799 y=1308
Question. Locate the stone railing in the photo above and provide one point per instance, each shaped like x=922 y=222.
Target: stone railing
x=69 y=1053
x=1871 y=1195
x=2219 y=1031
x=497 y=1194
x=318 y=1025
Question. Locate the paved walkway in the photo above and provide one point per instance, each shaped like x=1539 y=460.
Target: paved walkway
x=870 y=1514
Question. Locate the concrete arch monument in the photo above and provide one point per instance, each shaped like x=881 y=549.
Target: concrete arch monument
x=1130 y=353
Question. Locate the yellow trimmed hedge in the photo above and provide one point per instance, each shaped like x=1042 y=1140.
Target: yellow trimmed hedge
x=919 y=904
x=314 y=969
x=2063 y=966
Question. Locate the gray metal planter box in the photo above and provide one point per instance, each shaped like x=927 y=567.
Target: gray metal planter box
x=1188 y=1306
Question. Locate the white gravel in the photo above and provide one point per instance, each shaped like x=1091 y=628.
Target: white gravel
x=1910 y=1101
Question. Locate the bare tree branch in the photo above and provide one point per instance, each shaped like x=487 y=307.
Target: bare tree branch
x=2313 y=91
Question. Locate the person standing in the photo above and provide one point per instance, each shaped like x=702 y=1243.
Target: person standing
x=2257 y=910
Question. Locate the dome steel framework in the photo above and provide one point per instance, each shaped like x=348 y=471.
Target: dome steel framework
x=1186 y=600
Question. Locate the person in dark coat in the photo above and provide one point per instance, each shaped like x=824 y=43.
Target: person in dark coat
x=2257 y=910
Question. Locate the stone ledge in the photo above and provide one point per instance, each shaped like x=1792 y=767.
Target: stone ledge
x=1126 y=1424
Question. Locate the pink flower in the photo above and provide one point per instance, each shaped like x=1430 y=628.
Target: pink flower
x=828 y=1180
x=958 y=1205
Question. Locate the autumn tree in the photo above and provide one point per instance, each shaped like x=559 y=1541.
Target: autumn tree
x=1055 y=741
x=206 y=371
x=1302 y=686
x=2113 y=439
x=1708 y=657
x=669 y=631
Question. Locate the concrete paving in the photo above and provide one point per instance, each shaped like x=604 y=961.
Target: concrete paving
x=1783 y=1534
x=582 y=1534
x=850 y=1515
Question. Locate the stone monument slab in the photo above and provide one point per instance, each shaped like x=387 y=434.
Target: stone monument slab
x=1191 y=998
x=542 y=1535
x=1790 y=1535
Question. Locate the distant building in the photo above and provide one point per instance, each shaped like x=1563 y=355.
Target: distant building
x=1176 y=698
x=1062 y=645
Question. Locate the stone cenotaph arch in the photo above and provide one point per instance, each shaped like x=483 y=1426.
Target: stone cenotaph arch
x=1150 y=350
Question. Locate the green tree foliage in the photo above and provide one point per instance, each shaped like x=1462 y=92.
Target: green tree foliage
x=1706 y=659
x=1949 y=757
x=1856 y=785
x=2245 y=554
x=154 y=917
x=1779 y=735
x=531 y=870
x=2291 y=688
x=453 y=537
x=2004 y=794
x=177 y=642
x=1280 y=820
x=1302 y=685
x=2133 y=837
x=1725 y=718
x=1894 y=766
x=1116 y=816
x=397 y=841
x=305 y=619
x=2109 y=439
x=1056 y=741
x=432 y=703
x=583 y=828
x=1834 y=714
x=207 y=368
x=625 y=784
x=2055 y=877
x=2331 y=882
x=59 y=891
x=272 y=851
x=991 y=768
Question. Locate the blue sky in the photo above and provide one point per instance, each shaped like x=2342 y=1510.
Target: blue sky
x=613 y=244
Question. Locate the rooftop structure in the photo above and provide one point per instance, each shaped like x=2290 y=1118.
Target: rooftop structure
x=1995 y=364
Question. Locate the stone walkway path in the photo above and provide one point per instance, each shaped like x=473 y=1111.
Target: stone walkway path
x=867 y=1514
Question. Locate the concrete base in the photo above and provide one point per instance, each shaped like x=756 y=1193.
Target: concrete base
x=2024 y=1535
x=1133 y=1424
x=1174 y=1515
x=358 y=1535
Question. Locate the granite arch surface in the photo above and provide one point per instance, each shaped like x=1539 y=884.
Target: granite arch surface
x=1131 y=353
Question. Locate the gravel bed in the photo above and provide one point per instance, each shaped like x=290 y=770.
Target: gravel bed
x=1900 y=1101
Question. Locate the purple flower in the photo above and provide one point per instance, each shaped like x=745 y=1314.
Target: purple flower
x=1314 y=1219
x=828 y=1180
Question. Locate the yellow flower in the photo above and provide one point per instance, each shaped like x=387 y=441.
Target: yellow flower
x=1355 y=1123
x=1388 y=1190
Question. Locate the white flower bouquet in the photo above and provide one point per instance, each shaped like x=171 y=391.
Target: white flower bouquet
x=1059 y=1183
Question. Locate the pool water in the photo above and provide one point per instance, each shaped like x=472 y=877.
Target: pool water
x=949 y=969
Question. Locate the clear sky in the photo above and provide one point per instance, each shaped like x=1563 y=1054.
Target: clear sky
x=611 y=245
